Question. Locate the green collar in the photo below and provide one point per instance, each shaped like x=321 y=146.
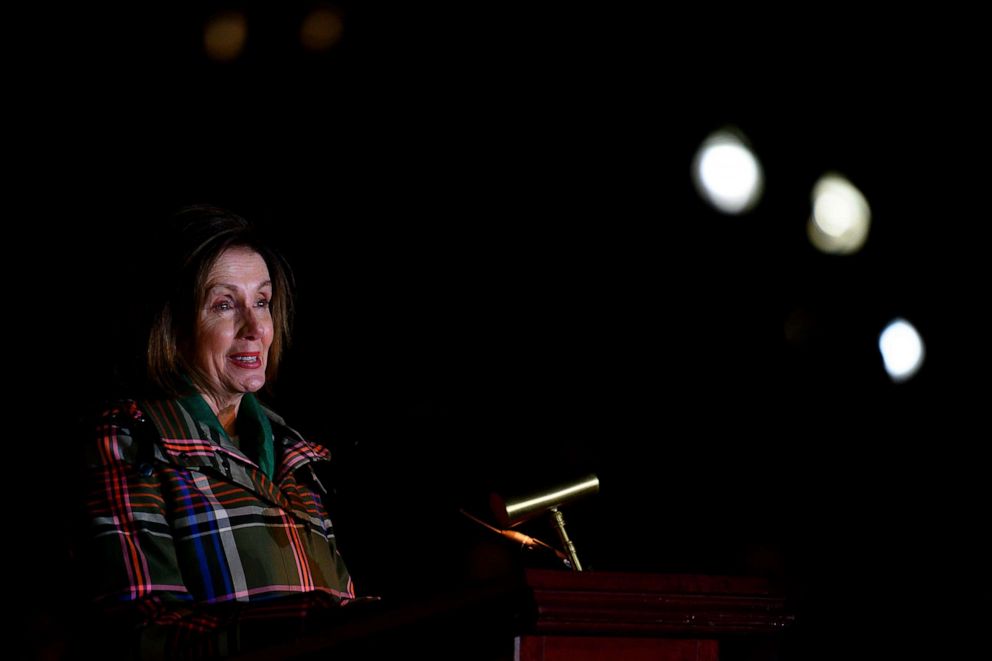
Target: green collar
x=254 y=429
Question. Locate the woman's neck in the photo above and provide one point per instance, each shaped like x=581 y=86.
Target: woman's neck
x=226 y=411
x=228 y=418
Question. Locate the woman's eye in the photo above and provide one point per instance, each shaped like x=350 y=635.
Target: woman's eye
x=222 y=306
x=263 y=303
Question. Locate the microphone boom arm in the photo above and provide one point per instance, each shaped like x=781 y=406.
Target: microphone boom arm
x=525 y=541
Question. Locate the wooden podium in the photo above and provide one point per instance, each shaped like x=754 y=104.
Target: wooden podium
x=557 y=615
x=635 y=617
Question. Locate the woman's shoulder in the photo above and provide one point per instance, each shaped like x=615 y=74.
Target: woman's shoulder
x=290 y=437
x=120 y=410
x=118 y=431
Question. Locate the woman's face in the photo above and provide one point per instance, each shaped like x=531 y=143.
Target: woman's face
x=234 y=325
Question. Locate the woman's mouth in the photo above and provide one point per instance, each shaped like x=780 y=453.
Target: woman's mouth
x=246 y=361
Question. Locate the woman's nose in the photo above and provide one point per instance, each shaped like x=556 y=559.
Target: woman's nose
x=252 y=327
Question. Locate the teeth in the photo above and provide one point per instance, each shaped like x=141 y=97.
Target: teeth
x=246 y=359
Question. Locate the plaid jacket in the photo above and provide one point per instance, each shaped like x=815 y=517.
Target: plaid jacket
x=189 y=541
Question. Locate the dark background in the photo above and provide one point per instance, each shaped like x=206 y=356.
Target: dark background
x=506 y=280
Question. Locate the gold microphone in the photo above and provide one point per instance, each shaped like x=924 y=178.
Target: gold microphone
x=512 y=512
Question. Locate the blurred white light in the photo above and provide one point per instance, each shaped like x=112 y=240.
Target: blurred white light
x=841 y=216
x=727 y=174
x=902 y=350
x=224 y=36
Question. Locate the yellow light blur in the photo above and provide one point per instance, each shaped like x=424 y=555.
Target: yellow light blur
x=841 y=216
x=224 y=36
x=321 y=29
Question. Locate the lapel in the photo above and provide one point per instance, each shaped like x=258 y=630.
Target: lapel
x=187 y=442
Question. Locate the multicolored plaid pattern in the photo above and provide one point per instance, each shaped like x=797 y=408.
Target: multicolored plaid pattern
x=188 y=539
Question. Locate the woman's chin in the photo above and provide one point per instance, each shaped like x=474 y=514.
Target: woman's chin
x=253 y=384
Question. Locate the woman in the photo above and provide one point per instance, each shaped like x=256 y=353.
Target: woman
x=208 y=532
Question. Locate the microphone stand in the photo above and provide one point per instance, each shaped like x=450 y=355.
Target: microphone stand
x=558 y=520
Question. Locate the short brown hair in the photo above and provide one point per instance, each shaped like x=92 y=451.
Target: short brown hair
x=196 y=238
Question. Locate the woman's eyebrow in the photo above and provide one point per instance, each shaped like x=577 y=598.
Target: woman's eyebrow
x=224 y=285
